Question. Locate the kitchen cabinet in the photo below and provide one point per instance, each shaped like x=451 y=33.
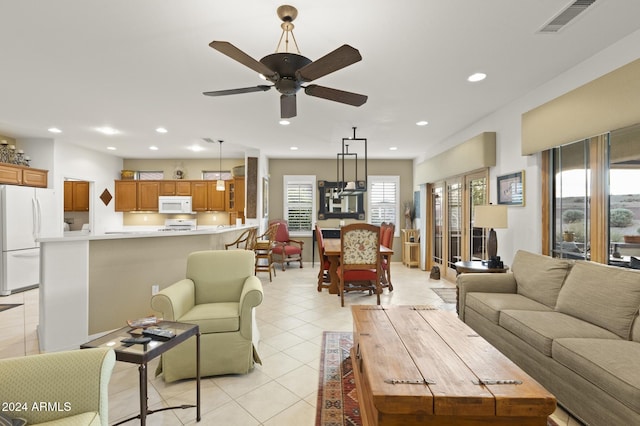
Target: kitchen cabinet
x=76 y=196
x=175 y=187
x=126 y=195
x=148 y=193
x=215 y=198
x=199 y=196
x=21 y=175
x=134 y=195
x=234 y=198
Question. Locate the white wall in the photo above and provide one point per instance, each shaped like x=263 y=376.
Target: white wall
x=71 y=161
x=525 y=228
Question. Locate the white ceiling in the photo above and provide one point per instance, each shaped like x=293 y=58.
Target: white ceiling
x=137 y=65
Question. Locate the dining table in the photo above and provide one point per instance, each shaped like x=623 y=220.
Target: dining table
x=333 y=251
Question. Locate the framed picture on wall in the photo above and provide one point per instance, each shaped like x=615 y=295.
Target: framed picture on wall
x=511 y=189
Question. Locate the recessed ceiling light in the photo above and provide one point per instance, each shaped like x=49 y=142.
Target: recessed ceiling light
x=196 y=148
x=153 y=148
x=422 y=123
x=284 y=122
x=54 y=130
x=393 y=148
x=161 y=130
x=111 y=148
x=479 y=76
x=107 y=130
x=293 y=148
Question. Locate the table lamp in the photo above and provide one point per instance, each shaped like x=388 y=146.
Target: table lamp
x=493 y=217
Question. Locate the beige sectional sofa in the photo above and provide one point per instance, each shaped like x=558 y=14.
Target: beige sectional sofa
x=572 y=325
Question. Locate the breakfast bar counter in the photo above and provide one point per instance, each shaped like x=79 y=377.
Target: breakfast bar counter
x=91 y=284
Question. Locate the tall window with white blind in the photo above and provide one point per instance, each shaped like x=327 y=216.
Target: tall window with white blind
x=383 y=197
x=299 y=203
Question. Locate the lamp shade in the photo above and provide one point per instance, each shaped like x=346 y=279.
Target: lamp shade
x=490 y=216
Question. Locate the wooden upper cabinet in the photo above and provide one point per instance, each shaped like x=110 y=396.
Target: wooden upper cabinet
x=20 y=175
x=68 y=196
x=148 y=193
x=126 y=195
x=215 y=198
x=76 y=196
x=80 y=196
x=199 y=196
x=175 y=187
x=167 y=187
x=239 y=195
x=183 y=187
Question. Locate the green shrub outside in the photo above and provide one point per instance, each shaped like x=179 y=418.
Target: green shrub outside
x=620 y=218
x=572 y=216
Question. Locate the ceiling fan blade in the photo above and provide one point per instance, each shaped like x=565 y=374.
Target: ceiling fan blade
x=288 y=106
x=238 y=55
x=343 y=56
x=261 y=88
x=336 y=95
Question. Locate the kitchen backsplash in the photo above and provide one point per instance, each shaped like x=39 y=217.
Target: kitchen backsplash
x=153 y=219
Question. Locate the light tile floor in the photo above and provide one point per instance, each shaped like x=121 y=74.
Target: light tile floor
x=281 y=391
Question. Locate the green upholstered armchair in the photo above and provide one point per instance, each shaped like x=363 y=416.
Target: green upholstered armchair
x=59 y=387
x=219 y=294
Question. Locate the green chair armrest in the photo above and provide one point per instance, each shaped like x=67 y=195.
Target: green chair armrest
x=77 y=381
x=176 y=300
x=250 y=298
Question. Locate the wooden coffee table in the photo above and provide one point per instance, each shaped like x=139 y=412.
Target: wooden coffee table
x=416 y=365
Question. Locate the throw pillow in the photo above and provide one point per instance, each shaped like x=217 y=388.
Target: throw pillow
x=539 y=277
x=5 y=420
x=603 y=295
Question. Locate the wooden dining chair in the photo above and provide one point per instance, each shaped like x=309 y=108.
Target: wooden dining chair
x=324 y=280
x=245 y=241
x=360 y=265
x=263 y=248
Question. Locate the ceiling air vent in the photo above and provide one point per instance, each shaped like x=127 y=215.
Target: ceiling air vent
x=566 y=16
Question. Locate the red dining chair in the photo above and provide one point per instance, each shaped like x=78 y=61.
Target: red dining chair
x=360 y=266
x=323 y=275
x=285 y=249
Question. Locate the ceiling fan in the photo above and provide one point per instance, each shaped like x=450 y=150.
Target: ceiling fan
x=290 y=71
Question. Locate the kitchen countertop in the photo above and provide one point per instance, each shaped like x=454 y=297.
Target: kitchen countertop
x=141 y=232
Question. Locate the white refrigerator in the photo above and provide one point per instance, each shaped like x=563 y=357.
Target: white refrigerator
x=25 y=214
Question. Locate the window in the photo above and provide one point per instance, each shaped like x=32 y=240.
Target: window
x=383 y=197
x=299 y=203
x=150 y=175
x=217 y=175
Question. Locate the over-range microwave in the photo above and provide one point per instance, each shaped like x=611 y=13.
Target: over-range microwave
x=174 y=204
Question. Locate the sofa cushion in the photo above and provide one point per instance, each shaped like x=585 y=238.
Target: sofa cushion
x=539 y=329
x=605 y=363
x=603 y=295
x=489 y=305
x=214 y=317
x=539 y=277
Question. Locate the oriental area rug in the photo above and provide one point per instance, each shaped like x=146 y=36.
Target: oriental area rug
x=447 y=294
x=337 y=396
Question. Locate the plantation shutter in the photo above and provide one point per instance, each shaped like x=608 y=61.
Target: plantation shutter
x=299 y=204
x=383 y=201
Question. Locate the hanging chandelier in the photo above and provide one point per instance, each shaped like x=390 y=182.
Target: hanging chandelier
x=349 y=182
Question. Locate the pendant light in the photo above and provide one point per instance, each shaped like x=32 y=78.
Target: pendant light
x=220 y=182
